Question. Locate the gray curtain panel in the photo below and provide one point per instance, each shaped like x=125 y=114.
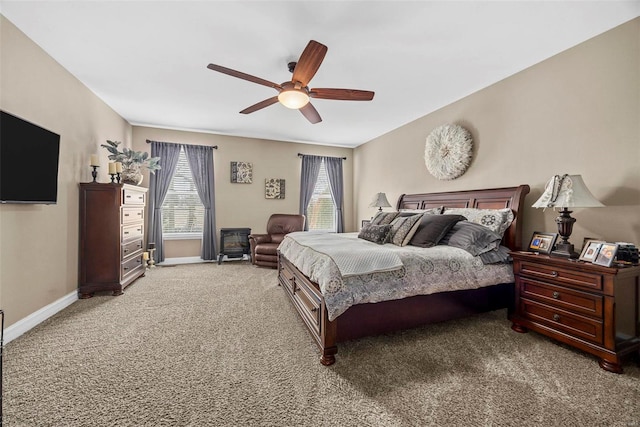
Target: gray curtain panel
x=308 y=178
x=200 y=160
x=158 y=187
x=336 y=182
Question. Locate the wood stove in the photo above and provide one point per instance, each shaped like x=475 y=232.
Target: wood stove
x=234 y=243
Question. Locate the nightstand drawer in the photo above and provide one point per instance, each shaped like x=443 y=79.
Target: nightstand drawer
x=129 y=249
x=131 y=265
x=561 y=320
x=561 y=276
x=561 y=297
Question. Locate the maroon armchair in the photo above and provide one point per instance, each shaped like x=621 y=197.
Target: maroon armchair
x=264 y=247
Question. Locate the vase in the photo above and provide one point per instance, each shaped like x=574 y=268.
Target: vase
x=131 y=174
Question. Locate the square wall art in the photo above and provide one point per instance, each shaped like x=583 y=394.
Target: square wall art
x=274 y=188
x=241 y=172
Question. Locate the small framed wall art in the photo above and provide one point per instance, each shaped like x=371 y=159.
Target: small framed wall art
x=542 y=242
x=590 y=250
x=241 y=172
x=606 y=254
x=274 y=188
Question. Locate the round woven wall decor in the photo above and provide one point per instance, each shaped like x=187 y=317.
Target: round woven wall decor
x=448 y=151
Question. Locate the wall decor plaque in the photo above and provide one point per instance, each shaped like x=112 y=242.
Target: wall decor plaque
x=241 y=172
x=448 y=151
x=274 y=188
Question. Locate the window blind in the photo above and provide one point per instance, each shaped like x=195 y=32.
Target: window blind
x=321 y=212
x=182 y=211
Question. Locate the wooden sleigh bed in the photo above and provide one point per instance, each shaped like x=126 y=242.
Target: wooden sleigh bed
x=387 y=316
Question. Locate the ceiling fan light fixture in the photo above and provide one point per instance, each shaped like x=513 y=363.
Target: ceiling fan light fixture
x=294 y=99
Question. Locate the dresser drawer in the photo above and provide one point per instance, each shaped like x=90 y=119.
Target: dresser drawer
x=131 y=248
x=562 y=320
x=131 y=232
x=561 y=276
x=129 y=266
x=131 y=196
x=132 y=214
x=561 y=297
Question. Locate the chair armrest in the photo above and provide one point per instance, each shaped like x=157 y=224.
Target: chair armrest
x=260 y=238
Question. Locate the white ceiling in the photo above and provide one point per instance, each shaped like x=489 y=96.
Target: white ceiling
x=148 y=59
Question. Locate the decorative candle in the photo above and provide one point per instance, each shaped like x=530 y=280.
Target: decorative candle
x=151 y=245
x=118 y=167
x=94 y=160
x=112 y=168
x=145 y=256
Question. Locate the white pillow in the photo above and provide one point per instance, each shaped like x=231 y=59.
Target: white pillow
x=497 y=220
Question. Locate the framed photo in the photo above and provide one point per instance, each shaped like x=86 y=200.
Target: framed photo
x=590 y=250
x=606 y=254
x=542 y=242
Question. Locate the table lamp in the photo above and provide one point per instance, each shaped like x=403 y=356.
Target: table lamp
x=566 y=191
x=379 y=201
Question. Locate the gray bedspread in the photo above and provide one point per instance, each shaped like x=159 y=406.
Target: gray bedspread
x=424 y=271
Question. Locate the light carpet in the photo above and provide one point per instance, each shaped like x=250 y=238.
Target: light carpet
x=221 y=345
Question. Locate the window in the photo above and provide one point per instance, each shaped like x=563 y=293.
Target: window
x=182 y=210
x=321 y=212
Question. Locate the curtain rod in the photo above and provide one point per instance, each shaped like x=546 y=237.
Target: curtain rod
x=300 y=155
x=215 y=147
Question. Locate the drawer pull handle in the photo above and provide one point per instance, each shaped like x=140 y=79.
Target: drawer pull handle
x=128 y=197
x=126 y=214
x=314 y=309
x=556 y=317
x=126 y=232
x=126 y=268
x=554 y=273
x=556 y=295
x=126 y=250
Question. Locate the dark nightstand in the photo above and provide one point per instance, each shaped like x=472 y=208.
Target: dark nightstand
x=587 y=306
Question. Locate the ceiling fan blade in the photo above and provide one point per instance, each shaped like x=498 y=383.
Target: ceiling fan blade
x=260 y=105
x=341 y=94
x=309 y=62
x=310 y=112
x=243 y=76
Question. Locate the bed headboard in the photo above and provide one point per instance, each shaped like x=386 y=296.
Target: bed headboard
x=494 y=198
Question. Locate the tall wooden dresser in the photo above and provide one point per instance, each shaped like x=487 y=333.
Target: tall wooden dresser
x=111 y=237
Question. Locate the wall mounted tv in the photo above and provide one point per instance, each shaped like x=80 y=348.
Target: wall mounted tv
x=28 y=162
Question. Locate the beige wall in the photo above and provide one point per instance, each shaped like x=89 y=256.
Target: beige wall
x=39 y=243
x=244 y=205
x=575 y=113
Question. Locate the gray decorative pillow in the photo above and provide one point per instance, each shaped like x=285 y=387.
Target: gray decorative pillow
x=403 y=229
x=432 y=211
x=383 y=218
x=375 y=233
x=433 y=228
x=499 y=255
x=497 y=220
x=473 y=238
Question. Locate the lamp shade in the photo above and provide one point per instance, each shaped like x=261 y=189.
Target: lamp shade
x=567 y=191
x=379 y=201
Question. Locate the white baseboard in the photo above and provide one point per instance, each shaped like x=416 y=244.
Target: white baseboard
x=23 y=325
x=183 y=260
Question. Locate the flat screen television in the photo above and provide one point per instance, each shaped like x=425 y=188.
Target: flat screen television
x=28 y=162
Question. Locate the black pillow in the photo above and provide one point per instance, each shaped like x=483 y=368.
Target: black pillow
x=473 y=238
x=375 y=233
x=433 y=228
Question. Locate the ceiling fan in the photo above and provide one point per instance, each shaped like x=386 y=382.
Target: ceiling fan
x=295 y=94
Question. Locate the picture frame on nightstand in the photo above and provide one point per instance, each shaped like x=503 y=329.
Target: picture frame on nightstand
x=590 y=250
x=542 y=243
x=606 y=254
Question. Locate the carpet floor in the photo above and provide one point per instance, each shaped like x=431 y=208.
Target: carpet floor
x=221 y=345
